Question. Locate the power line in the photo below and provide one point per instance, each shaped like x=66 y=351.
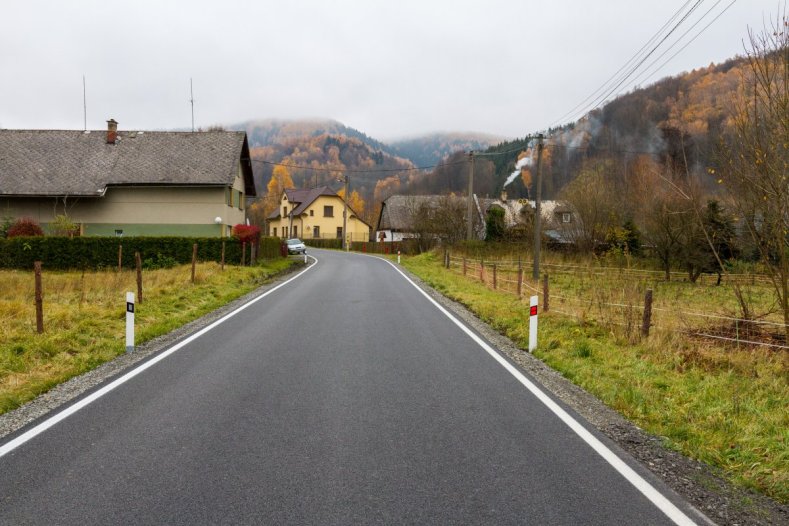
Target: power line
x=625 y=65
x=680 y=50
x=601 y=99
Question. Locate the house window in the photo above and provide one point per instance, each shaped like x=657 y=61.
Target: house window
x=284 y=211
x=295 y=231
x=316 y=232
x=240 y=200
x=228 y=196
x=566 y=217
x=339 y=232
x=275 y=232
x=328 y=211
x=312 y=212
x=118 y=232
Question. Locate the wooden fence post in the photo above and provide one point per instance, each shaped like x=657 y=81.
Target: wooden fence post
x=138 y=262
x=39 y=298
x=647 y=321
x=465 y=268
x=520 y=281
x=546 y=293
x=120 y=257
x=449 y=261
x=194 y=261
x=222 y=264
x=494 y=277
x=482 y=270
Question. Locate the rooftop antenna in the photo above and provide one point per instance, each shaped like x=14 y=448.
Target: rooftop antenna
x=84 y=105
x=192 y=101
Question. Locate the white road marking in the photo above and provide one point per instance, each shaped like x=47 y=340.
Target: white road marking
x=649 y=491
x=51 y=421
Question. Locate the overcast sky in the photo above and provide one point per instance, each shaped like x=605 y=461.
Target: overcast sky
x=388 y=68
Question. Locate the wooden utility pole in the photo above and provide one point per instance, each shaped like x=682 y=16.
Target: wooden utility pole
x=646 y=321
x=470 y=204
x=538 y=211
x=347 y=180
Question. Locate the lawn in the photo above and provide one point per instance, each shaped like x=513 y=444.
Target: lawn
x=84 y=317
x=714 y=401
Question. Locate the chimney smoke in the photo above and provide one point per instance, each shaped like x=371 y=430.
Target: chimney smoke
x=112 y=131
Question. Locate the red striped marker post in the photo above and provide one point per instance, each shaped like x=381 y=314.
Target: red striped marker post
x=533 y=323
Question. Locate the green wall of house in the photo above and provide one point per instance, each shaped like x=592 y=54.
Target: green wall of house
x=131 y=229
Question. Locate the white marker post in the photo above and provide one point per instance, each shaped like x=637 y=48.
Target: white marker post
x=533 y=324
x=398 y=257
x=129 y=321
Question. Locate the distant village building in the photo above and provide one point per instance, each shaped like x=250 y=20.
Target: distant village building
x=315 y=213
x=127 y=183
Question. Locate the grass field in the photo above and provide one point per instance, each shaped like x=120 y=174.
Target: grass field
x=84 y=317
x=715 y=402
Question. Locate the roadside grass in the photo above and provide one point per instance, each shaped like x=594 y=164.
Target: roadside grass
x=85 y=317
x=715 y=403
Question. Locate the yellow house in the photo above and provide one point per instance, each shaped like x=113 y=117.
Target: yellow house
x=315 y=213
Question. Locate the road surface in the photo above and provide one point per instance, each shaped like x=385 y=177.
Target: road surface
x=345 y=396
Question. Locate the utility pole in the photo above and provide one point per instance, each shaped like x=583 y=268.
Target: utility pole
x=192 y=102
x=347 y=180
x=537 y=211
x=470 y=206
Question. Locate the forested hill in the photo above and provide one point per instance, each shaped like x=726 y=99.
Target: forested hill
x=675 y=123
x=428 y=150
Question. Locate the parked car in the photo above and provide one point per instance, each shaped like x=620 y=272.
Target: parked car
x=296 y=246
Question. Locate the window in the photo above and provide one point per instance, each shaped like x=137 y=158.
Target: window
x=566 y=217
x=339 y=232
x=284 y=211
x=275 y=232
x=328 y=211
x=228 y=196
x=240 y=200
x=316 y=231
x=312 y=212
x=118 y=232
x=295 y=231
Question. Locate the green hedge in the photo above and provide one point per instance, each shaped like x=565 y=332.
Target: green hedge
x=102 y=252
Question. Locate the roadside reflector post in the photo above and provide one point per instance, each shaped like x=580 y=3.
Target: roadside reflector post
x=533 y=324
x=305 y=257
x=398 y=257
x=129 y=321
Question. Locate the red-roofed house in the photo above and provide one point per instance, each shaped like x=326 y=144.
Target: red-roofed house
x=314 y=213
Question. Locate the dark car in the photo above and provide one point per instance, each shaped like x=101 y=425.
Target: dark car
x=296 y=246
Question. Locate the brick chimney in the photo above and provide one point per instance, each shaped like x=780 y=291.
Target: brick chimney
x=112 y=131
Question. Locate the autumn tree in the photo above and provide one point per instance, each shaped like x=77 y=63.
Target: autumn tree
x=279 y=182
x=756 y=159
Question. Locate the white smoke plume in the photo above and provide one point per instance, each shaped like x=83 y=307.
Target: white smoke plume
x=522 y=163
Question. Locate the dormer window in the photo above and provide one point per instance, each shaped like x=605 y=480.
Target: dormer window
x=284 y=211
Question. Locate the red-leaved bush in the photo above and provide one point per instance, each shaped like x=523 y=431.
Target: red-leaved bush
x=246 y=233
x=24 y=227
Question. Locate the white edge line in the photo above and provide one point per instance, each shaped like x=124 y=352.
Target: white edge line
x=649 y=491
x=51 y=421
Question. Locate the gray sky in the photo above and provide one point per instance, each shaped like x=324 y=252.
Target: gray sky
x=387 y=68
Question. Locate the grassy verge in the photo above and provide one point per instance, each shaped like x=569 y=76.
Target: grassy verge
x=84 y=317
x=723 y=406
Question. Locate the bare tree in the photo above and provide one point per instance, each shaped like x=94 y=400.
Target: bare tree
x=756 y=160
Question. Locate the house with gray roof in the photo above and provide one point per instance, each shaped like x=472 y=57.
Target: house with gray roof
x=127 y=182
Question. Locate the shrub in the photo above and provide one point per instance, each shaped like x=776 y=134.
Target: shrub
x=159 y=261
x=5 y=224
x=24 y=227
x=246 y=233
x=62 y=225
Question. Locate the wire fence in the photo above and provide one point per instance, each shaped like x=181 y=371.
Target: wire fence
x=626 y=303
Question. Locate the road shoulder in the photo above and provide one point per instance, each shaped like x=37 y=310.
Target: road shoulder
x=696 y=482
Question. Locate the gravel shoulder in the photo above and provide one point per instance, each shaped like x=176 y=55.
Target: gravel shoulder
x=698 y=483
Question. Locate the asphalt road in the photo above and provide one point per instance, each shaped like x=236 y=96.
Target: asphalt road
x=343 y=397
